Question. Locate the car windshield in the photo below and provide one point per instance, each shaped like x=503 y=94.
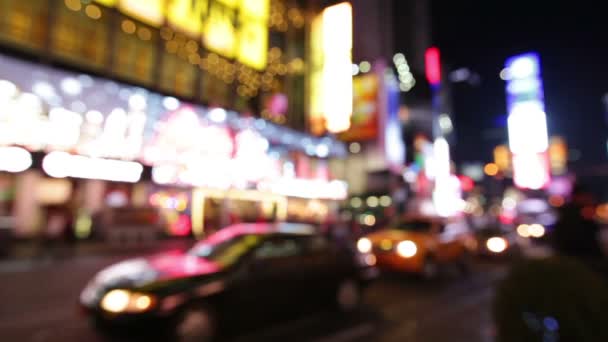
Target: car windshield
x=226 y=252
x=413 y=225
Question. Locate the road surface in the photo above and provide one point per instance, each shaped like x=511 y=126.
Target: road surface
x=39 y=305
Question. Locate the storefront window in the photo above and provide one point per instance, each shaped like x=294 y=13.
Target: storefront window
x=24 y=22
x=178 y=76
x=80 y=33
x=215 y=92
x=135 y=52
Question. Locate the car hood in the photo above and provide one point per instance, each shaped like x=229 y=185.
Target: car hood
x=139 y=272
x=396 y=235
x=178 y=265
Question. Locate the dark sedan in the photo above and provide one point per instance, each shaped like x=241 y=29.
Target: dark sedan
x=242 y=275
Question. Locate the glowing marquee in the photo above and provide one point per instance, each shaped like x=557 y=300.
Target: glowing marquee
x=527 y=123
x=234 y=29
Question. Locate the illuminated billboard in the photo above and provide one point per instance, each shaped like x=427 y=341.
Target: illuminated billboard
x=527 y=124
x=337 y=67
x=364 y=121
x=231 y=28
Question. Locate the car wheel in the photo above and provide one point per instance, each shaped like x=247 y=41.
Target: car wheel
x=348 y=295
x=195 y=323
x=430 y=268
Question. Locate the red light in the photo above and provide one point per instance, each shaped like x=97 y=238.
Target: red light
x=181 y=227
x=466 y=183
x=432 y=65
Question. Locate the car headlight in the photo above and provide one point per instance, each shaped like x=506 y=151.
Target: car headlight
x=118 y=301
x=407 y=249
x=364 y=245
x=496 y=244
x=536 y=230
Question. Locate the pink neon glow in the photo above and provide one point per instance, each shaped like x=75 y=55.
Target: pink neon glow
x=531 y=170
x=233 y=231
x=178 y=264
x=181 y=227
x=432 y=65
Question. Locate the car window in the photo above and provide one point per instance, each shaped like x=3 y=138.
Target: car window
x=414 y=226
x=315 y=244
x=278 y=247
x=227 y=252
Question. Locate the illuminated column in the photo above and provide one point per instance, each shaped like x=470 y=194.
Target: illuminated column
x=94 y=191
x=527 y=124
x=337 y=68
x=26 y=209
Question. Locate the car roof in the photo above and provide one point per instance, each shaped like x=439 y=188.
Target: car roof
x=236 y=230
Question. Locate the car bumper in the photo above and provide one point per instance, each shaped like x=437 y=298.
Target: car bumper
x=394 y=262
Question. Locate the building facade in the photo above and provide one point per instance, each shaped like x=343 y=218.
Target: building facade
x=193 y=109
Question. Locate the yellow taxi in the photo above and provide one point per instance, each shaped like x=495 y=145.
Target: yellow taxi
x=420 y=245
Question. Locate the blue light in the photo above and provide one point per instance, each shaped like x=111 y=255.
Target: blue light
x=550 y=324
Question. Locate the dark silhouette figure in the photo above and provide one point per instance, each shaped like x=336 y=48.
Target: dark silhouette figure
x=576 y=234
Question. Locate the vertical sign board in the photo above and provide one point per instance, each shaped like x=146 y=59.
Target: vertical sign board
x=337 y=67
x=527 y=124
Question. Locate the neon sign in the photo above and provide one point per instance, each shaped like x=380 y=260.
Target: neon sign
x=527 y=123
x=234 y=29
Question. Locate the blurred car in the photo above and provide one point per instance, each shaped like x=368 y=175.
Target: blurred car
x=420 y=245
x=497 y=242
x=240 y=275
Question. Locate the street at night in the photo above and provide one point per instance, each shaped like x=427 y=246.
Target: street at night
x=40 y=304
x=303 y=170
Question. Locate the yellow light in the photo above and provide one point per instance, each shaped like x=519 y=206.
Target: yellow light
x=491 y=169
x=386 y=244
x=116 y=301
x=73 y=5
x=150 y=12
x=220 y=35
x=83 y=226
x=407 y=249
x=107 y=3
x=128 y=26
x=364 y=245
x=385 y=201
x=523 y=230
x=166 y=33
x=252 y=50
x=144 y=33
x=369 y=220
x=143 y=302
x=93 y=12
x=536 y=230
x=337 y=67
x=198 y=213
x=372 y=201
x=496 y=244
x=258 y=9
x=185 y=15
x=502 y=157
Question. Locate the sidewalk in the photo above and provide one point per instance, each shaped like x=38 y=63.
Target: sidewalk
x=34 y=250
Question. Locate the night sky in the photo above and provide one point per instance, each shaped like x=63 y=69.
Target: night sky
x=573 y=46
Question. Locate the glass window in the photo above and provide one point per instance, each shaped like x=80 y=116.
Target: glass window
x=81 y=34
x=135 y=52
x=215 y=92
x=24 y=22
x=226 y=252
x=178 y=76
x=278 y=248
